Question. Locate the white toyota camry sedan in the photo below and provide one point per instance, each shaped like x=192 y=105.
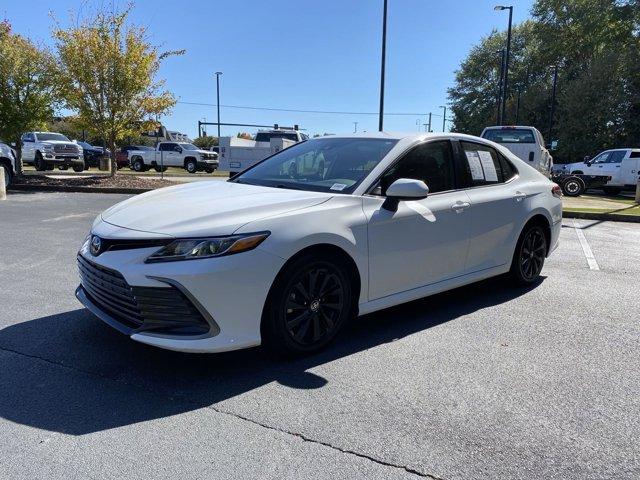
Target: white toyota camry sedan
x=287 y=252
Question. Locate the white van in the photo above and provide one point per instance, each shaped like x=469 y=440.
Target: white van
x=621 y=164
x=525 y=142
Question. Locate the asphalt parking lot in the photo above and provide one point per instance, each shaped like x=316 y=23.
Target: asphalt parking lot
x=487 y=381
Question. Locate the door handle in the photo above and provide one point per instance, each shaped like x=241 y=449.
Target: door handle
x=519 y=196
x=460 y=206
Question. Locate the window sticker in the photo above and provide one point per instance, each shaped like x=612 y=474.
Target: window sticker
x=338 y=186
x=474 y=165
x=488 y=166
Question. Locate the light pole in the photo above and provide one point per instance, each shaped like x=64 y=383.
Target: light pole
x=518 y=105
x=384 y=50
x=429 y=129
x=553 y=101
x=500 y=83
x=444 y=116
x=218 y=100
x=506 y=61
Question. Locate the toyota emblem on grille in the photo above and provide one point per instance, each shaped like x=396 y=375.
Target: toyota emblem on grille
x=96 y=245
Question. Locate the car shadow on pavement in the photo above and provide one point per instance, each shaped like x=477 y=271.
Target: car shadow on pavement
x=72 y=374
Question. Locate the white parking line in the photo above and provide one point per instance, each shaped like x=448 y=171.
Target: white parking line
x=591 y=260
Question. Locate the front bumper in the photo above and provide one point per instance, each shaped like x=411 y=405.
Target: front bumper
x=63 y=159
x=232 y=290
x=205 y=164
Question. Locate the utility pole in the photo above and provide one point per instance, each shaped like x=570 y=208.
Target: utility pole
x=218 y=100
x=429 y=129
x=518 y=105
x=444 y=117
x=553 y=102
x=500 y=83
x=355 y=127
x=505 y=88
x=384 y=51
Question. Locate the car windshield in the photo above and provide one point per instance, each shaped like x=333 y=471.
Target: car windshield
x=267 y=136
x=140 y=147
x=84 y=145
x=51 y=136
x=510 y=135
x=188 y=146
x=322 y=165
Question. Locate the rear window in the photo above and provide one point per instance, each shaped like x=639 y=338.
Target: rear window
x=267 y=136
x=510 y=135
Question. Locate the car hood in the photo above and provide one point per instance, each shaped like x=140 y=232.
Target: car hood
x=206 y=208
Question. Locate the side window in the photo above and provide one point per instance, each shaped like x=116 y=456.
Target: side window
x=602 y=158
x=634 y=155
x=484 y=166
x=508 y=170
x=430 y=162
x=617 y=156
x=167 y=147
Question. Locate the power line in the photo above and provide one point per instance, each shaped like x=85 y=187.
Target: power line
x=294 y=110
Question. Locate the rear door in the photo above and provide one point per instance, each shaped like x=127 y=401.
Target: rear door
x=630 y=169
x=167 y=154
x=498 y=205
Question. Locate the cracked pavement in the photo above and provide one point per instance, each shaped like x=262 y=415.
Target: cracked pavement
x=486 y=381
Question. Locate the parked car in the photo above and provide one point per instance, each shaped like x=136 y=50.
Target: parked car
x=621 y=164
x=525 y=142
x=93 y=154
x=122 y=155
x=288 y=251
x=174 y=154
x=46 y=150
x=8 y=163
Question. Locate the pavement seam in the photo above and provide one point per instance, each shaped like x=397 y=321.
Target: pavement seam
x=228 y=413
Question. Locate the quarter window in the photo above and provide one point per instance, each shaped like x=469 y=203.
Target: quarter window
x=483 y=165
x=430 y=162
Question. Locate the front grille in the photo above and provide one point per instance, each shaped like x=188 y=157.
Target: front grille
x=65 y=148
x=164 y=310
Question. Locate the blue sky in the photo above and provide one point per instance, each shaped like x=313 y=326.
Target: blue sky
x=320 y=55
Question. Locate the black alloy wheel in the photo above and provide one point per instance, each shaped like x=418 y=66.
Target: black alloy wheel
x=310 y=303
x=39 y=162
x=530 y=255
x=573 y=187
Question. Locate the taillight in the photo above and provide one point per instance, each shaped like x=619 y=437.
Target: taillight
x=556 y=191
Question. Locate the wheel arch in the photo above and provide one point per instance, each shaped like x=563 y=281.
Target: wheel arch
x=326 y=250
x=539 y=218
x=186 y=159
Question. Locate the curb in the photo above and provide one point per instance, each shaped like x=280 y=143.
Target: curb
x=604 y=217
x=66 y=188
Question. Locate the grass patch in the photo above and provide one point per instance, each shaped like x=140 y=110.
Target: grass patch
x=633 y=210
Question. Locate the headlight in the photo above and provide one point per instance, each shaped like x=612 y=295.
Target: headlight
x=47 y=146
x=194 y=248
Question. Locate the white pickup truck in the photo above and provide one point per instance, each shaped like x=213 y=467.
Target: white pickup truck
x=622 y=165
x=174 y=154
x=525 y=142
x=238 y=154
x=46 y=150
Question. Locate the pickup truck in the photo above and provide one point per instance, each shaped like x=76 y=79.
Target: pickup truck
x=174 y=154
x=238 y=154
x=46 y=150
x=525 y=142
x=621 y=165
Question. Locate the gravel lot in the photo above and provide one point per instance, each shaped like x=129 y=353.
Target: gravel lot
x=485 y=382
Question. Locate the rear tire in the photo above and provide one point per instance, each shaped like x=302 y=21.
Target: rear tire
x=78 y=168
x=573 y=187
x=191 y=166
x=159 y=169
x=528 y=259
x=309 y=303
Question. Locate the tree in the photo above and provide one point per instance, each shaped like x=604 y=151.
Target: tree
x=206 y=142
x=596 y=45
x=27 y=93
x=107 y=76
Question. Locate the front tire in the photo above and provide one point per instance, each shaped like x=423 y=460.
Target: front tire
x=8 y=176
x=78 y=168
x=528 y=259
x=39 y=163
x=309 y=303
x=573 y=187
x=191 y=166
x=138 y=165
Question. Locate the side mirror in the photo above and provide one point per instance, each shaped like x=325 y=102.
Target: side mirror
x=404 y=189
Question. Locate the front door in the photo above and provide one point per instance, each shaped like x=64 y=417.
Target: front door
x=423 y=241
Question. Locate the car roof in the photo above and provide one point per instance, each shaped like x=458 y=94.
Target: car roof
x=406 y=136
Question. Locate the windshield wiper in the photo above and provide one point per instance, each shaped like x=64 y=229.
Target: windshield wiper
x=282 y=185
